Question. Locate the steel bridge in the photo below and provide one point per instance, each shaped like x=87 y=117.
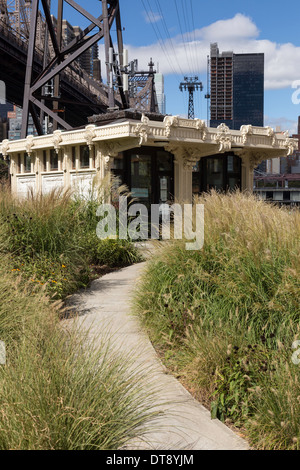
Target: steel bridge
x=32 y=55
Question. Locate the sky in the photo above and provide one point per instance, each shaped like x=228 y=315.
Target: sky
x=177 y=35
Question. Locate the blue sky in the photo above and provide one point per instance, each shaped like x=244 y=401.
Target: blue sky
x=177 y=35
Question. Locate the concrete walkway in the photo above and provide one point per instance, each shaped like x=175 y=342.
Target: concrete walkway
x=184 y=424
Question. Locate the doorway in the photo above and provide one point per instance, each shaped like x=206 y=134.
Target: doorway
x=148 y=172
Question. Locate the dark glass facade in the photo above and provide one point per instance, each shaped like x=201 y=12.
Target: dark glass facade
x=248 y=90
x=237 y=89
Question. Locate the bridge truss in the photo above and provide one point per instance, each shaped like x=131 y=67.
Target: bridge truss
x=31 y=21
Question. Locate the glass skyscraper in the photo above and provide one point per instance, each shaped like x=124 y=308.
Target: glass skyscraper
x=237 y=88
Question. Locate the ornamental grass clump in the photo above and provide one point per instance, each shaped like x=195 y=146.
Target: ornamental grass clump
x=224 y=318
x=58 y=389
x=51 y=239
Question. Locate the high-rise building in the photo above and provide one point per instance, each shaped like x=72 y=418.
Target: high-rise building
x=86 y=60
x=160 y=92
x=15 y=124
x=4 y=110
x=237 y=88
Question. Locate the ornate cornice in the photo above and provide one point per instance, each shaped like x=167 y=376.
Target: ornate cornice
x=187 y=137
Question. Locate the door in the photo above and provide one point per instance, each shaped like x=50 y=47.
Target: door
x=149 y=174
x=141 y=178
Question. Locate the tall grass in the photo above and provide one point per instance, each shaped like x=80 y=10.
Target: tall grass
x=54 y=392
x=59 y=390
x=225 y=317
x=52 y=239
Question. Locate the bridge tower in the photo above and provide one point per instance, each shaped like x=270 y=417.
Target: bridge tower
x=63 y=56
x=191 y=84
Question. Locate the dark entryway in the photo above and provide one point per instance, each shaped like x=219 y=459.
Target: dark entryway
x=148 y=172
x=220 y=172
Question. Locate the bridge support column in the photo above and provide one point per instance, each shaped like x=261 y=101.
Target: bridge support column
x=29 y=66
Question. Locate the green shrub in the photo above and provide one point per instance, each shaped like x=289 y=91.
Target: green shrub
x=116 y=252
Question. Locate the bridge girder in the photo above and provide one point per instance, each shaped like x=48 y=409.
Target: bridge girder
x=64 y=56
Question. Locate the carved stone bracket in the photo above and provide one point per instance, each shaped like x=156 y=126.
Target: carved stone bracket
x=201 y=126
x=142 y=130
x=107 y=150
x=56 y=140
x=110 y=149
x=5 y=148
x=246 y=131
x=272 y=135
x=188 y=155
x=29 y=144
x=255 y=158
x=169 y=122
x=290 y=144
x=223 y=138
x=90 y=134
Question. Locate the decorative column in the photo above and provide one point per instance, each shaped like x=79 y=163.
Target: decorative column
x=105 y=151
x=186 y=158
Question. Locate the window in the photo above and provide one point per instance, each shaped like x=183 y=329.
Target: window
x=74 y=158
x=196 y=178
x=44 y=160
x=93 y=157
x=27 y=163
x=53 y=160
x=219 y=172
x=84 y=156
x=19 y=163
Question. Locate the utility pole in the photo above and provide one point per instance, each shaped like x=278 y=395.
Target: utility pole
x=191 y=84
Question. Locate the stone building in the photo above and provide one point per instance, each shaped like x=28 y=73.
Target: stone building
x=160 y=158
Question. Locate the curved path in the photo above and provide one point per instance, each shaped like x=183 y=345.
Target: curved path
x=185 y=423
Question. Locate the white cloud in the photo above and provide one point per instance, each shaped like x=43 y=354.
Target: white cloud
x=232 y=29
x=238 y=34
x=152 y=17
x=283 y=123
